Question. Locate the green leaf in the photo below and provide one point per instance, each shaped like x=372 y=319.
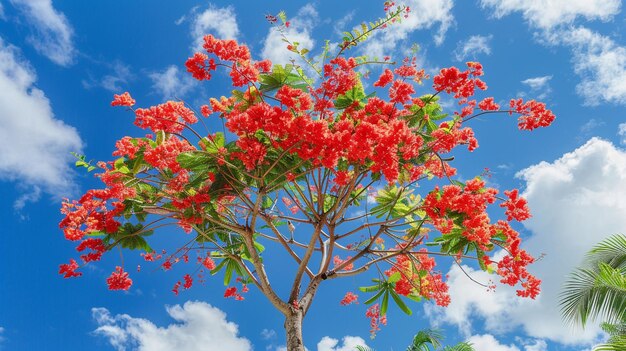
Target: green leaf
x=370 y=288
x=401 y=303
x=276 y=224
x=375 y=297
x=260 y=248
x=197 y=161
x=356 y=94
x=230 y=267
x=394 y=278
x=282 y=16
x=384 y=304
x=267 y=202
x=160 y=137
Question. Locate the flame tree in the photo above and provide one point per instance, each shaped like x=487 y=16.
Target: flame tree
x=318 y=168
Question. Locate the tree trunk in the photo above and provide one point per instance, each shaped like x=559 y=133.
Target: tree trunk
x=293 y=327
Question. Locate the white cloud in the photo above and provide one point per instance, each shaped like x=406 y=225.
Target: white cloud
x=537 y=83
x=34 y=146
x=52 y=35
x=590 y=125
x=576 y=201
x=275 y=49
x=597 y=59
x=476 y=44
x=115 y=81
x=600 y=62
x=550 y=13
x=621 y=131
x=535 y=345
x=268 y=334
x=424 y=15
x=539 y=86
x=171 y=83
x=199 y=326
x=221 y=22
x=29 y=195
x=487 y=342
x=341 y=25
x=349 y=343
x=120 y=76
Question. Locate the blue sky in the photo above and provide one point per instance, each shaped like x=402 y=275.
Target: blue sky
x=61 y=62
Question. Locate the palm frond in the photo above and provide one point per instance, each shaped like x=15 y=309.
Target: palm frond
x=589 y=294
x=363 y=348
x=598 y=290
x=462 y=346
x=611 y=251
x=610 y=346
x=614 y=329
x=425 y=337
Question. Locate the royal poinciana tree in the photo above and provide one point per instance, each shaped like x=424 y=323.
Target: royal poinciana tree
x=346 y=182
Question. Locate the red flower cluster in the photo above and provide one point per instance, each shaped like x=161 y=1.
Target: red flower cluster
x=243 y=70
x=68 y=270
x=91 y=213
x=534 y=114
x=488 y=104
x=95 y=245
x=512 y=268
x=188 y=281
x=169 y=117
x=461 y=84
x=418 y=278
x=448 y=137
x=123 y=100
x=338 y=261
x=200 y=66
x=164 y=156
x=469 y=203
x=232 y=292
x=349 y=298
x=516 y=207
x=373 y=313
x=119 y=280
x=385 y=78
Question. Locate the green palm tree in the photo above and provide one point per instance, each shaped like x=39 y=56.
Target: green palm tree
x=597 y=290
x=425 y=339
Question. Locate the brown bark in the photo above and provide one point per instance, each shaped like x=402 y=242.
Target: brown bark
x=293 y=327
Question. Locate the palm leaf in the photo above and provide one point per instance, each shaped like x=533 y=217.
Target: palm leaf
x=425 y=337
x=611 y=251
x=611 y=346
x=462 y=346
x=599 y=289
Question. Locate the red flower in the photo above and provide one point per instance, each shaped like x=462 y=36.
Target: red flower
x=200 y=66
x=188 y=281
x=400 y=91
x=488 y=105
x=516 y=207
x=385 y=78
x=349 y=298
x=205 y=110
x=123 y=100
x=97 y=247
x=208 y=263
x=69 y=270
x=119 y=280
x=533 y=114
x=338 y=261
